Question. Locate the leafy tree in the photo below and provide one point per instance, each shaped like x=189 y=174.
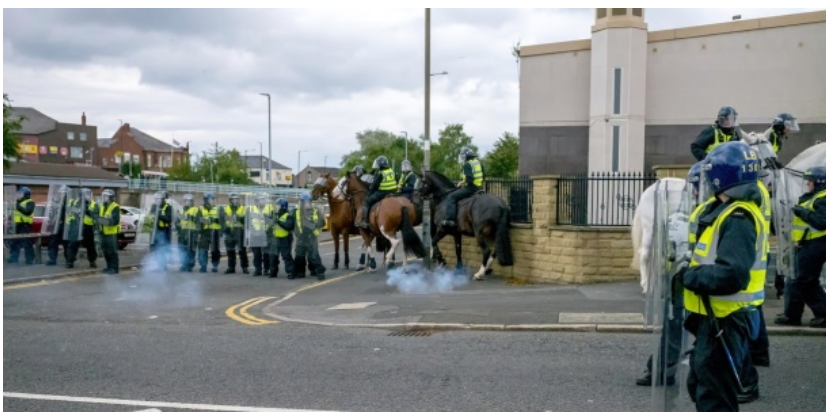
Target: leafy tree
x=134 y=168
x=182 y=171
x=444 y=154
x=224 y=166
x=503 y=160
x=11 y=138
x=377 y=142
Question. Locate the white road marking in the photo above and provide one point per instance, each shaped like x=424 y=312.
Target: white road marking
x=150 y=410
x=174 y=405
x=350 y=306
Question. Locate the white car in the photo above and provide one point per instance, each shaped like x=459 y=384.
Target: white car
x=130 y=215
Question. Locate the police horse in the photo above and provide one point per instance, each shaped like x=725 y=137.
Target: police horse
x=484 y=217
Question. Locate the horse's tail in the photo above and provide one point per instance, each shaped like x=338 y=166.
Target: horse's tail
x=503 y=239
x=412 y=243
x=636 y=239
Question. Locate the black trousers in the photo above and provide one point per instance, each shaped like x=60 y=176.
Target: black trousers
x=306 y=250
x=89 y=243
x=805 y=290
x=109 y=247
x=372 y=199
x=454 y=198
x=234 y=241
x=25 y=244
x=281 y=247
x=54 y=245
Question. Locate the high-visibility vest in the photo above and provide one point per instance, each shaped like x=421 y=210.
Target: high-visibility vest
x=93 y=208
x=257 y=222
x=70 y=217
x=20 y=217
x=694 y=221
x=388 y=180
x=228 y=212
x=188 y=223
x=774 y=141
x=279 y=231
x=478 y=176
x=110 y=229
x=298 y=220
x=212 y=214
x=802 y=230
x=766 y=205
x=162 y=224
x=705 y=253
x=719 y=138
x=403 y=180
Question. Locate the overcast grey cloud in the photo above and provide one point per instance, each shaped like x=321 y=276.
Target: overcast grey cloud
x=196 y=74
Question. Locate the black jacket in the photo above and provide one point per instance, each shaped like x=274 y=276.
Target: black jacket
x=289 y=223
x=706 y=139
x=26 y=209
x=408 y=184
x=816 y=218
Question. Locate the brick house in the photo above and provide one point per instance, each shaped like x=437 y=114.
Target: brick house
x=46 y=140
x=131 y=144
x=307 y=177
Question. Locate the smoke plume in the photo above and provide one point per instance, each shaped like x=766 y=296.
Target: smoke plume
x=415 y=279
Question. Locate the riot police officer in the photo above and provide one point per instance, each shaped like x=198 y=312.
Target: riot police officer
x=90 y=229
x=209 y=228
x=407 y=181
x=232 y=224
x=56 y=238
x=163 y=229
x=283 y=224
x=725 y=279
x=23 y=212
x=110 y=226
x=308 y=224
x=723 y=130
x=473 y=176
x=782 y=126
x=187 y=234
x=384 y=184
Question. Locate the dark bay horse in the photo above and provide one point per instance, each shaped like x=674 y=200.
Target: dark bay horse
x=390 y=215
x=342 y=214
x=485 y=217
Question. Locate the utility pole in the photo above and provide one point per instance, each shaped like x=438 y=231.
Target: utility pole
x=426 y=211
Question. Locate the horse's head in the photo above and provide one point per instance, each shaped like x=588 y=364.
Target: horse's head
x=434 y=184
x=324 y=185
x=354 y=184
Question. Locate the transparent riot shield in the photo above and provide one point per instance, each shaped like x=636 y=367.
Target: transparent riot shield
x=9 y=204
x=782 y=216
x=75 y=211
x=669 y=364
x=146 y=223
x=254 y=225
x=53 y=210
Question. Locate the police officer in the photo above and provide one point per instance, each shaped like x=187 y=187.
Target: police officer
x=358 y=170
x=384 y=184
x=110 y=226
x=673 y=337
x=74 y=221
x=209 y=228
x=56 y=238
x=725 y=279
x=232 y=224
x=187 y=234
x=723 y=130
x=407 y=181
x=257 y=214
x=473 y=176
x=90 y=227
x=163 y=228
x=809 y=231
x=782 y=126
x=308 y=224
x=23 y=212
x=284 y=222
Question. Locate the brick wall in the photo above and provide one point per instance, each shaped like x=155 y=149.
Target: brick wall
x=545 y=252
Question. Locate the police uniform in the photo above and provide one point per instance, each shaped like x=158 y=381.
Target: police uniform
x=91 y=213
x=809 y=231
x=407 y=185
x=308 y=224
x=23 y=212
x=284 y=222
x=74 y=221
x=384 y=184
x=208 y=237
x=473 y=175
x=110 y=211
x=259 y=225
x=56 y=238
x=187 y=237
x=163 y=233
x=232 y=222
x=724 y=282
x=711 y=137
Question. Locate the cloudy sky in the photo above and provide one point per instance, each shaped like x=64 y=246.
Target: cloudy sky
x=196 y=74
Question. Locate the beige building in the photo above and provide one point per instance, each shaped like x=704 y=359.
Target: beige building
x=629 y=99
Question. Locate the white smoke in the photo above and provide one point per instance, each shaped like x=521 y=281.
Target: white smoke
x=416 y=280
x=156 y=285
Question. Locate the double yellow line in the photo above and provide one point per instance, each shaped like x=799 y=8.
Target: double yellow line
x=239 y=312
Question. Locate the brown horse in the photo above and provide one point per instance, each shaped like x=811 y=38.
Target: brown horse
x=386 y=217
x=342 y=215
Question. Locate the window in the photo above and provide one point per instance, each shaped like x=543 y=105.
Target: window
x=76 y=152
x=617 y=90
x=82 y=137
x=615 y=154
x=601 y=13
x=255 y=173
x=148 y=160
x=117 y=159
x=636 y=12
x=70 y=135
x=619 y=12
x=136 y=159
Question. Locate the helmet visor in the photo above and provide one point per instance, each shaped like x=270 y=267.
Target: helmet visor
x=729 y=120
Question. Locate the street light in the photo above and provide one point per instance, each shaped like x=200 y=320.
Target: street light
x=442 y=73
x=325 y=161
x=427 y=75
x=261 y=173
x=298 y=169
x=405 y=144
x=269 y=133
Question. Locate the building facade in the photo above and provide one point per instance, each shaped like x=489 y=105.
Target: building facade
x=629 y=99
x=307 y=177
x=280 y=175
x=46 y=140
x=130 y=144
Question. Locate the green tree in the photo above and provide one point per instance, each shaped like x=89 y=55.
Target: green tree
x=11 y=138
x=134 y=168
x=224 y=166
x=182 y=171
x=444 y=155
x=503 y=160
x=377 y=142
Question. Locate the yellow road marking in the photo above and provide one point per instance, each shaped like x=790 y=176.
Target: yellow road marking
x=45 y=282
x=244 y=317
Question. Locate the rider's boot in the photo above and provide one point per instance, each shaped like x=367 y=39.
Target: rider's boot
x=364 y=212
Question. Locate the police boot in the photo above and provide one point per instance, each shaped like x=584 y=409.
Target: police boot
x=749 y=394
x=257 y=272
x=364 y=215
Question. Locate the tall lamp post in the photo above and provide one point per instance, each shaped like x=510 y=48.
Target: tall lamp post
x=298 y=169
x=405 y=144
x=426 y=210
x=261 y=173
x=269 y=134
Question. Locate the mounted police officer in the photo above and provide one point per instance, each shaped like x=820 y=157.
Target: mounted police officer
x=473 y=176
x=23 y=219
x=109 y=220
x=232 y=224
x=358 y=170
x=724 y=282
x=809 y=231
x=407 y=181
x=308 y=225
x=284 y=222
x=384 y=184
x=723 y=130
x=209 y=227
x=782 y=126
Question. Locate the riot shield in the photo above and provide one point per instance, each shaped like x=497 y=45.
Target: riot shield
x=254 y=225
x=9 y=203
x=75 y=210
x=782 y=217
x=669 y=365
x=53 y=210
x=146 y=223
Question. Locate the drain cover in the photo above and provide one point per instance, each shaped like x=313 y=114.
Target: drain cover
x=410 y=333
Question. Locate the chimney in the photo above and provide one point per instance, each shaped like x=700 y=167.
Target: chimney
x=126 y=127
x=83 y=119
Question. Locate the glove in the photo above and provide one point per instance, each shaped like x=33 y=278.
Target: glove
x=799 y=211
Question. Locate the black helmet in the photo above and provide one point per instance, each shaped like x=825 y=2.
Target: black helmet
x=466 y=153
x=382 y=163
x=727 y=117
x=785 y=121
x=817 y=175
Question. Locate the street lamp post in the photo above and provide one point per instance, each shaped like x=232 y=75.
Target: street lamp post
x=426 y=210
x=269 y=133
x=261 y=173
x=405 y=144
x=298 y=169
x=325 y=161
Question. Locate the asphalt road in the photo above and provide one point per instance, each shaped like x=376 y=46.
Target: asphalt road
x=144 y=342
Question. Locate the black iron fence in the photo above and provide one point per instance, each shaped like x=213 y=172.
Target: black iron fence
x=601 y=198
x=517 y=193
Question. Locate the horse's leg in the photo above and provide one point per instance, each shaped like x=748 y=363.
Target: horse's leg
x=345 y=233
x=457 y=244
x=334 y=230
x=436 y=254
x=486 y=256
x=388 y=254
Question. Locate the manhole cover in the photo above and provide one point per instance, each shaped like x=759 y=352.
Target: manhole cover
x=410 y=333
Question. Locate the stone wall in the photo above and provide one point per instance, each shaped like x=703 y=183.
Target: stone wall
x=546 y=252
